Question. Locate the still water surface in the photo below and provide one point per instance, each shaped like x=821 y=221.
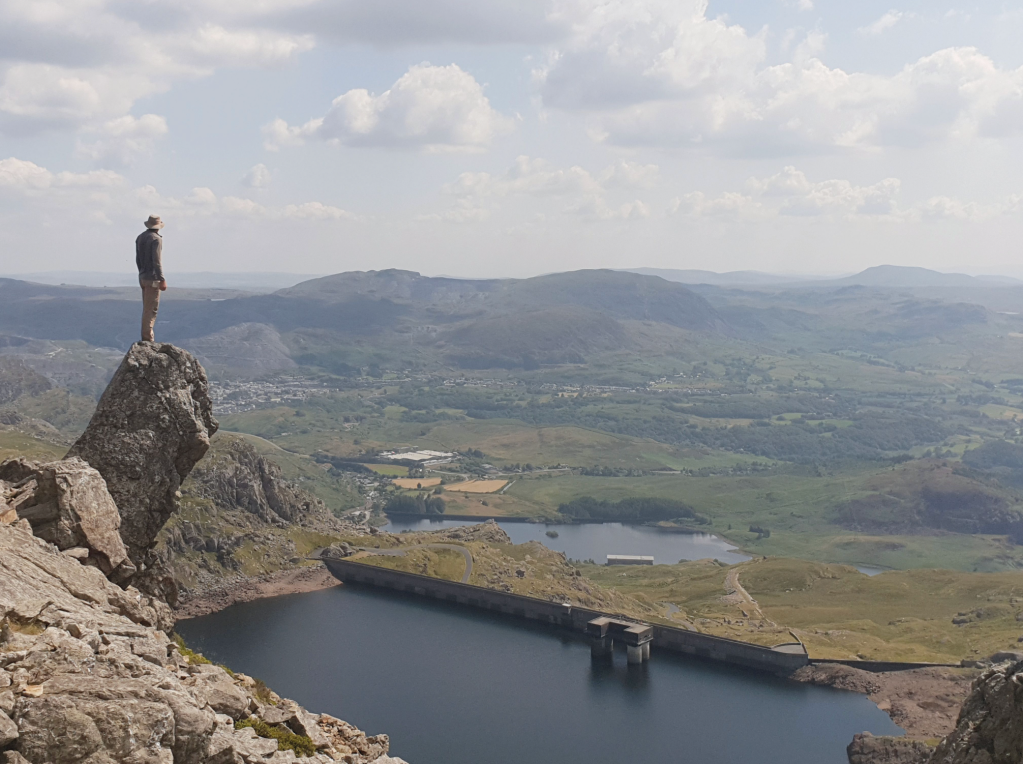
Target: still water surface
x=595 y=541
x=455 y=686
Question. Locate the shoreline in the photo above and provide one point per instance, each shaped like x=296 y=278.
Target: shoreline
x=924 y=702
x=293 y=581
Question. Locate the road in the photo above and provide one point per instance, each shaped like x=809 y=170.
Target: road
x=732 y=582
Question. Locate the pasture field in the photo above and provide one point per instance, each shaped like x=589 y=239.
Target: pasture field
x=477 y=486
x=836 y=611
x=392 y=470
x=414 y=483
x=14 y=444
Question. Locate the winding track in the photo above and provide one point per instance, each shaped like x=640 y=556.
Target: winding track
x=732 y=581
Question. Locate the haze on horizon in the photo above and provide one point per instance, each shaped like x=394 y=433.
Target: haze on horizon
x=512 y=138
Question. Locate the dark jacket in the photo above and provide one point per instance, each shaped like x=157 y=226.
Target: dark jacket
x=148 y=252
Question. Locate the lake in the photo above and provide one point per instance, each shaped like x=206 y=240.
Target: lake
x=595 y=541
x=456 y=686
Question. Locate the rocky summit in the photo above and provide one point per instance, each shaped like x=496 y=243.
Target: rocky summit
x=990 y=725
x=89 y=671
x=152 y=424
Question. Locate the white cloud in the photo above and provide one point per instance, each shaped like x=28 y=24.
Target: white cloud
x=660 y=72
x=123 y=139
x=533 y=177
x=316 y=211
x=33 y=180
x=258 y=176
x=430 y=107
x=246 y=47
x=630 y=174
x=791 y=193
x=883 y=24
x=799 y=196
x=83 y=63
x=105 y=195
x=730 y=203
x=583 y=193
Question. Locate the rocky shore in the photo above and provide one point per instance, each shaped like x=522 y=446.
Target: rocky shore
x=306 y=579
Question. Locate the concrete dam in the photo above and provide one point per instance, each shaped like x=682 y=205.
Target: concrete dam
x=603 y=629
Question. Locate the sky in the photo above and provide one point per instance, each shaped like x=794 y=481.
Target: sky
x=483 y=138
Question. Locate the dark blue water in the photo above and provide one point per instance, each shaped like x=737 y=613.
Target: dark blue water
x=595 y=541
x=452 y=685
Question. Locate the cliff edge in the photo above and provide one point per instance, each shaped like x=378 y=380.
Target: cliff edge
x=88 y=671
x=990 y=725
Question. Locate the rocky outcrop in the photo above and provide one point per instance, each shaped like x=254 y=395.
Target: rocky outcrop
x=867 y=749
x=17 y=379
x=489 y=532
x=151 y=426
x=237 y=476
x=990 y=725
x=68 y=505
x=89 y=674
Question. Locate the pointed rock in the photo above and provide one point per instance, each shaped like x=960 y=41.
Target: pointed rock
x=151 y=426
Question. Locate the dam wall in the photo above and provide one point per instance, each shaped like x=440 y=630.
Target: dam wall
x=565 y=615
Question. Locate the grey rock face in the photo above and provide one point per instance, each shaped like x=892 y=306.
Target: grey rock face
x=867 y=749
x=239 y=477
x=103 y=683
x=67 y=504
x=990 y=725
x=151 y=426
x=8 y=730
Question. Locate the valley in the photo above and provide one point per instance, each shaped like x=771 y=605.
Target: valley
x=819 y=426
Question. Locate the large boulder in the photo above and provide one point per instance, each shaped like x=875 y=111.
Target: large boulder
x=990 y=725
x=151 y=426
x=67 y=504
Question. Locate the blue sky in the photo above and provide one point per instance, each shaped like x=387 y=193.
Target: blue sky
x=512 y=137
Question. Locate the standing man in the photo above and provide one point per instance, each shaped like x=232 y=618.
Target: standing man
x=148 y=258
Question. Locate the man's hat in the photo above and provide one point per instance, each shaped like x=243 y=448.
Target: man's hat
x=154 y=222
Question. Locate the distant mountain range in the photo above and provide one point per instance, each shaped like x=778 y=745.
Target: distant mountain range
x=895 y=276
x=255 y=281
x=347 y=320
x=397 y=319
x=730 y=278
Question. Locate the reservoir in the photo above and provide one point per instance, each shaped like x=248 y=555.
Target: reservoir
x=595 y=541
x=452 y=685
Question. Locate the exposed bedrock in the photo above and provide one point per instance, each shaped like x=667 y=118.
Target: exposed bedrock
x=151 y=426
x=88 y=675
x=990 y=726
x=867 y=749
x=67 y=504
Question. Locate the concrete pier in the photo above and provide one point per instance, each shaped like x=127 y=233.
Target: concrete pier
x=601 y=648
x=636 y=636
